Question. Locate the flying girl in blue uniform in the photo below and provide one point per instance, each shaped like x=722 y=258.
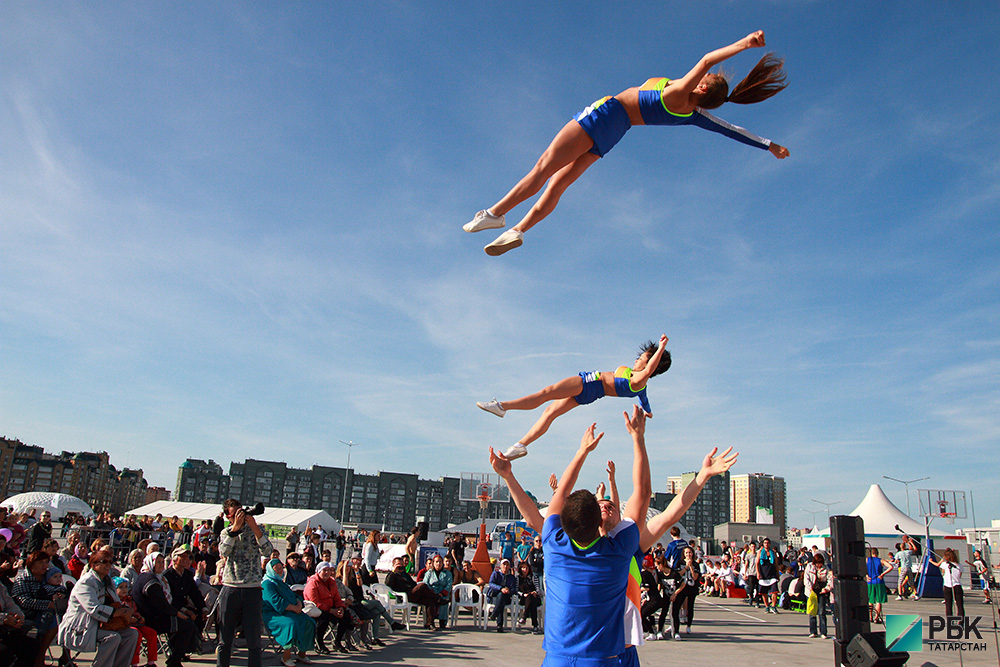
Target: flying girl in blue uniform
x=596 y=129
x=585 y=388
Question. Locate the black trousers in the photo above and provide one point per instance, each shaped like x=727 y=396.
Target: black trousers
x=326 y=619
x=649 y=608
x=684 y=599
x=954 y=595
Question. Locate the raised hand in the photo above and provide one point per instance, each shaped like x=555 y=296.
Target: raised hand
x=553 y=482
x=611 y=470
x=754 y=39
x=716 y=465
x=636 y=424
x=501 y=465
x=588 y=442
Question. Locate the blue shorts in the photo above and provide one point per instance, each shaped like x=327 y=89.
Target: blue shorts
x=593 y=388
x=629 y=657
x=606 y=122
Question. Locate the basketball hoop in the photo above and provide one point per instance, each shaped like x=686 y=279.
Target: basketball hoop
x=484 y=496
x=950 y=516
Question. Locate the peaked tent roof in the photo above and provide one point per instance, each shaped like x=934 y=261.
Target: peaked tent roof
x=272 y=516
x=881 y=517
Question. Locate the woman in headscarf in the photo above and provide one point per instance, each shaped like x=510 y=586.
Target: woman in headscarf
x=78 y=562
x=151 y=594
x=283 y=615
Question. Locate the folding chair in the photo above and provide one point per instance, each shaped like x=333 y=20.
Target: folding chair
x=466 y=596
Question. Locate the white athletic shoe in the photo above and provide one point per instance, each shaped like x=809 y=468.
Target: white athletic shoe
x=509 y=240
x=650 y=637
x=516 y=451
x=677 y=636
x=660 y=635
x=813 y=635
x=492 y=406
x=899 y=597
x=484 y=220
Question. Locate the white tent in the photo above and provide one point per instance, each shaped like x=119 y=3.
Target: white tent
x=58 y=504
x=272 y=516
x=880 y=518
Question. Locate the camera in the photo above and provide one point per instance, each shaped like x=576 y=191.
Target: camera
x=256 y=510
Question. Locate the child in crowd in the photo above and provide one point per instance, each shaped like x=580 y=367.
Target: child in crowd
x=585 y=388
x=145 y=632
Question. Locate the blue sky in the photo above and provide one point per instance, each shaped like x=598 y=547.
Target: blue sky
x=234 y=231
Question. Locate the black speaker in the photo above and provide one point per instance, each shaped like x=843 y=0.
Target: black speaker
x=850 y=608
x=868 y=650
x=848 y=551
x=422 y=535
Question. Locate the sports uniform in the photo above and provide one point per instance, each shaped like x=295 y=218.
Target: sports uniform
x=587 y=590
x=593 y=388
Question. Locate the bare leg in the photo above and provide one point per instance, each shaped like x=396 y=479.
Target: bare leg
x=568 y=145
x=567 y=388
x=556 y=187
x=556 y=409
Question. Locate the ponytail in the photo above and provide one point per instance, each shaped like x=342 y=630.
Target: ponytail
x=765 y=80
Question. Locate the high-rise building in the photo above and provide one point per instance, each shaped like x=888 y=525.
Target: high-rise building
x=393 y=500
x=201 y=482
x=674 y=485
x=710 y=508
x=156 y=494
x=758 y=498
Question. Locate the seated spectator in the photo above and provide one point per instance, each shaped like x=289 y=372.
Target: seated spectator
x=94 y=602
x=17 y=649
x=295 y=572
x=183 y=588
x=309 y=563
x=122 y=588
x=528 y=595
x=350 y=573
x=440 y=581
x=653 y=598
x=284 y=617
x=72 y=539
x=206 y=555
x=39 y=602
x=400 y=581
x=322 y=590
x=51 y=547
x=154 y=601
x=134 y=566
x=500 y=591
x=456 y=572
x=79 y=560
x=470 y=575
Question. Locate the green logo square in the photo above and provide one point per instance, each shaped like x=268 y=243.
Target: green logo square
x=904 y=632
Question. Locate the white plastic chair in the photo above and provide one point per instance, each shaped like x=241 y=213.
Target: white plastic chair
x=393 y=602
x=466 y=596
x=510 y=611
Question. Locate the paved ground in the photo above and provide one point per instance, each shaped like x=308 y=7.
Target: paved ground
x=725 y=632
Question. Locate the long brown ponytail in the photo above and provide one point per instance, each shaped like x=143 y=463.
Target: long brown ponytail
x=766 y=79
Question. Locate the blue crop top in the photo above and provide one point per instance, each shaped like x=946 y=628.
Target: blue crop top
x=654 y=112
x=623 y=387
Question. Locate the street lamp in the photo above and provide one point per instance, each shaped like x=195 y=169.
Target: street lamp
x=813 y=512
x=906 y=483
x=343 y=501
x=827 y=506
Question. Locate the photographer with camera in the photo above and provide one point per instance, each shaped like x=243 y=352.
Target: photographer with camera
x=240 y=600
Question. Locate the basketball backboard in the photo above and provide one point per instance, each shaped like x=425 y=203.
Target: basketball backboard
x=473 y=485
x=942 y=504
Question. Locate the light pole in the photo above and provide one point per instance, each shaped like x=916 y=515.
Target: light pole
x=827 y=507
x=343 y=501
x=813 y=512
x=906 y=483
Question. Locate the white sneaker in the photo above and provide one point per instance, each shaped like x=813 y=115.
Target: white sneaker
x=650 y=637
x=484 y=220
x=899 y=597
x=516 y=451
x=660 y=635
x=509 y=240
x=813 y=635
x=823 y=637
x=492 y=406
x=677 y=636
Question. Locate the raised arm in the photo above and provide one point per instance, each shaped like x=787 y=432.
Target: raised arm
x=568 y=480
x=615 y=498
x=640 y=378
x=712 y=465
x=684 y=86
x=525 y=505
x=638 y=504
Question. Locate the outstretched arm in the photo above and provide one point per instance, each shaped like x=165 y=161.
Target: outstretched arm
x=686 y=85
x=712 y=465
x=568 y=480
x=525 y=505
x=615 y=498
x=638 y=504
x=640 y=378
